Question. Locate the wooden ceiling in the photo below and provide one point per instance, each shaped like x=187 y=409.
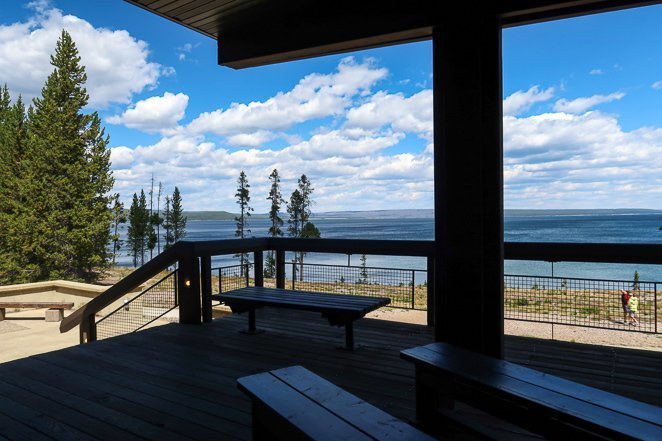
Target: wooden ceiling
x=259 y=32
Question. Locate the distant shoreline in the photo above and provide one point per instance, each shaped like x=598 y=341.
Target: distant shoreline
x=429 y=213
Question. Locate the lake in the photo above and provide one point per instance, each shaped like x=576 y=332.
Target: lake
x=635 y=227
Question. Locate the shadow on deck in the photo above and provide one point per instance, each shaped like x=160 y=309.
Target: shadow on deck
x=178 y=381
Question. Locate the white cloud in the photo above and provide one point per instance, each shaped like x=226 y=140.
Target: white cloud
x=657 y=85
x=580 y=105
x=522 y=101
x=411 y=115
x=255 y=139
x=315 y=96
x=116 y=63
x=596 y=72
x=154 y=114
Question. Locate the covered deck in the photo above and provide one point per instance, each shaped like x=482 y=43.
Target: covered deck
x=179 y=381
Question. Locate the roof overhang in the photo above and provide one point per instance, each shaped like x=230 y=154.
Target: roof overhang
x=259 y=32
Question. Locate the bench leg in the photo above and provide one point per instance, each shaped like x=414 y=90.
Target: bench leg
x=349 y=336
x=252 y=329
x=54 y=314
x=2 y=314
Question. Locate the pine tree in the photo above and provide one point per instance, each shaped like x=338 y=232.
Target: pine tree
x=177 y=218
x=635 y=284
x=167 y=224
x=364 y=269
x=243 y=200
x=65 y=178
x=119 y=217
x=13 y=265
x=138 y=232
x=276 y=198
x=299 y=210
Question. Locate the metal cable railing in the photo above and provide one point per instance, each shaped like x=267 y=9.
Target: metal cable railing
x=135 y=314
x=579 y=302
x=398 y=284
x=232 y=277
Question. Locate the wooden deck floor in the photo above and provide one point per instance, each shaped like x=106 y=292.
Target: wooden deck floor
x=178 y=382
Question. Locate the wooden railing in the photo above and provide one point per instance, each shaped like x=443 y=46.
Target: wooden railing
x=193 y=260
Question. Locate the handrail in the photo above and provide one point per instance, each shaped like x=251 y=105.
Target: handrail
x=584 y=252
x=133 y=280
x=544 y=251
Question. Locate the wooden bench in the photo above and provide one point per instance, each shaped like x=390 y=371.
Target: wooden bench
x=339 y=309
x=294 y=403
x=54 y=313
x=551 y=406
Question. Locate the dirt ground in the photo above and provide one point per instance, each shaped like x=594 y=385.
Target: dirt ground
x=607 y=337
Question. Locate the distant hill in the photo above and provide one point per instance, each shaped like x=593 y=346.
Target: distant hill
x=217 y=215
x=423 y=213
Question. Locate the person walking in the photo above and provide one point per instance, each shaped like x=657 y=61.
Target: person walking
x=625 y=299
x=633 y=305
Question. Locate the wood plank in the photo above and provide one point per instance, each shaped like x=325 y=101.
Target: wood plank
x=369 y=419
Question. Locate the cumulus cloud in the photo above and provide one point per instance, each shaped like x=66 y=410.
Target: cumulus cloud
x=580 y=105
x=154 y=114
x=116 y=63
x=315 y=96
x=521 y=101
x=404 y=114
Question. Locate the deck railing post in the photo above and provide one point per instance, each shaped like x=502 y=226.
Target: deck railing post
x=294 y=273
x=188 y=290
x=413 y=289
x=280 y=269
x=258 y=259
x=205 y=281
x=88 y=329
x=655 y=305
x=430 y=293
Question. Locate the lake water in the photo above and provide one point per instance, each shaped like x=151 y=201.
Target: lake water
x=604 y=228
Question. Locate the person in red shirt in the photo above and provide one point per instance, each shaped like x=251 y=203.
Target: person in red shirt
x=625 y=299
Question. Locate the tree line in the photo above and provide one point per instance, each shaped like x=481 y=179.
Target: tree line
x=145 y=222
x=299 y=209
x=55 y=179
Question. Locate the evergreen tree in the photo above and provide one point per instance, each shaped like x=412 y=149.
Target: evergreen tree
x=243 y=200
x=299 y=210
x=364 y=269
x=13 y=264
x=167 y=224
x=65 y=178
x=138 y=233
x=276 y=198
x=177 y=218
x=635 y=284
x=119 y=217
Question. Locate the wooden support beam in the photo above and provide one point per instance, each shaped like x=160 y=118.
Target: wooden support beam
x=468 y=168
x=188 y=290
x=205 y=288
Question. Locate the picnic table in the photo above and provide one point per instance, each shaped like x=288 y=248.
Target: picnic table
x=339 y=309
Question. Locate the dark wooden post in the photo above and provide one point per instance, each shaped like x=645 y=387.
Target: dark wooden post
x=88 y=329
x=430 y=293
x=468 y=173
x=258 y=259
x=205 y=287
x=280 y=269
x=188 y=290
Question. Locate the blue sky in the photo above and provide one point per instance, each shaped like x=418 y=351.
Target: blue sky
x=582 y=114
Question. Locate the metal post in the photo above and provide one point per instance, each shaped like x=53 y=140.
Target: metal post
x=413 y=289
x=220 y=286
x=655 y=305
x=349 y=256
x=205 y=281
x=280 y=269
x=294 y=272
x=430 y=277
x=258 y=259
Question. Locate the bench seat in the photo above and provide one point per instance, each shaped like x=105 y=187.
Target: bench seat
x=542 y=403
x=54 y=311
x=339 y=309
x=293 y=403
